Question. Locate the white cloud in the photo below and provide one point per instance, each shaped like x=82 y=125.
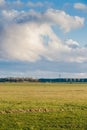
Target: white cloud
x=10 y=15
x=65 y=21
x=20 y=4
x=69 y=52
x=23 y=36
x=72 y=44
x=52 y=17
x=38 y=4
x=52 y=74
x=25 y=42
x=22 y=42
x=80 y=6
x=42 y=74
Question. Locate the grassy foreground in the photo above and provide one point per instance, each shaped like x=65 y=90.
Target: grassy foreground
x=43 y=106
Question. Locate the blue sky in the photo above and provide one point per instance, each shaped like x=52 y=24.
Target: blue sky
x=43 y=38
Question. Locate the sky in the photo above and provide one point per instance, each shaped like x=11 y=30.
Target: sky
x=43 y=38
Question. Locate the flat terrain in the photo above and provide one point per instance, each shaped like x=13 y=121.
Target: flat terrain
x=43 y=106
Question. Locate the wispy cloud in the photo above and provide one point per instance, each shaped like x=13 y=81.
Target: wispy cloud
x=80 y=6
x=18 y=4
x=38 y=4
x=42 y=74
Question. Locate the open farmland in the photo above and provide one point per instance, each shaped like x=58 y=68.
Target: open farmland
x=43 y=106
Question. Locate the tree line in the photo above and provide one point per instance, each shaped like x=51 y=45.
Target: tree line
x=11 y=79
x=17 y=79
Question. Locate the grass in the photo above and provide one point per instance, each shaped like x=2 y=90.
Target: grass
x=43 y=106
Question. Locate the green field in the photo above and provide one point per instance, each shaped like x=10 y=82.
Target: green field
x=43 y=106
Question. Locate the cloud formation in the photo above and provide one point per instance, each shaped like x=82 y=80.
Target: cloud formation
x=38 y=4
x=72 y=44
x=28 y=36
x=51 y=17
x=65 y=21
x=80 y=6
x=18 y=4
